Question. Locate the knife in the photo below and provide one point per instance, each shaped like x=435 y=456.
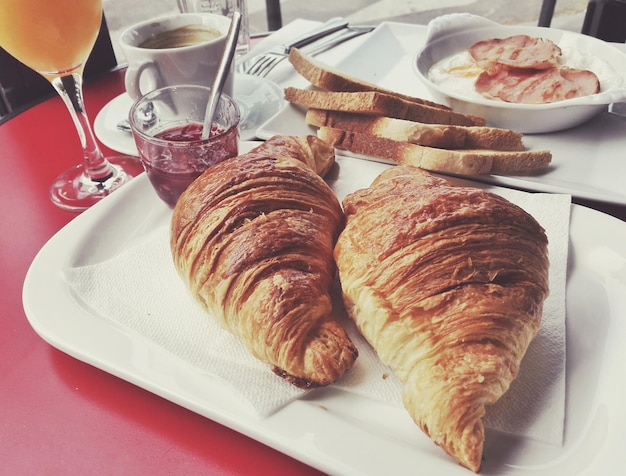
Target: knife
x=331 y=26
x=335 y=39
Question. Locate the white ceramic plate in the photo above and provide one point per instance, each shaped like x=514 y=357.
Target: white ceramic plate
x=329 y=428
x=587 y=161
x=452 y=34
x=257 y=98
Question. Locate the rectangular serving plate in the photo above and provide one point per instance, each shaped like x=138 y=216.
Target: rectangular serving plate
x=587 y=161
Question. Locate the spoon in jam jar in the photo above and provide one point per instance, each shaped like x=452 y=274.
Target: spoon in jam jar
x=222 y=72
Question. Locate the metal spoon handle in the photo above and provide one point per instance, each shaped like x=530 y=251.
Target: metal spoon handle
x=222 y=72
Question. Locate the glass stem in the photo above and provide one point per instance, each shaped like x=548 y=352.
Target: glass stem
x=70 y=88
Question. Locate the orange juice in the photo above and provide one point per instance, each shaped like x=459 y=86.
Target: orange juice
x=50 y=36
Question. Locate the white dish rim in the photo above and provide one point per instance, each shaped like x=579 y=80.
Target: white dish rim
x=314 y=430
x=486 y=29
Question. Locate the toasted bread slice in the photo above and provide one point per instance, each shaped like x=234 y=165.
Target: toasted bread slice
x=431 y=135
x=377 y=103
x=458 y=162
x=326 y=77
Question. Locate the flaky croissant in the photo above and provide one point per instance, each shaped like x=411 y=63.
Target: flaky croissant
x=447 y=284
x=253 y=239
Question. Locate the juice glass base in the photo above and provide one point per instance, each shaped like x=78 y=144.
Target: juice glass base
x=75 y=191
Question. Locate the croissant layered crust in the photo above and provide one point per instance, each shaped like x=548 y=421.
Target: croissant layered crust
x=447 y=284
x=253 y=240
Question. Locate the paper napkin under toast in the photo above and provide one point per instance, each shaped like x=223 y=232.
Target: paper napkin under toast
x=150 y=299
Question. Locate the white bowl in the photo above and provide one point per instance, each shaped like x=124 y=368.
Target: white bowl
x=451 y=34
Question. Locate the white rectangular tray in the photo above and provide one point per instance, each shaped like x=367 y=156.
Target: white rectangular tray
x=336 y=431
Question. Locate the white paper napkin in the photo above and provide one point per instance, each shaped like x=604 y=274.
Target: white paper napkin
x=535 y=402
x=140 y=290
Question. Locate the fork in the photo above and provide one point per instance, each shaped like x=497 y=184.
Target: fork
x=266 y=61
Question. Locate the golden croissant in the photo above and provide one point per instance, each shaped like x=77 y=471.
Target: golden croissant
x=447 y=284
x=253 y=240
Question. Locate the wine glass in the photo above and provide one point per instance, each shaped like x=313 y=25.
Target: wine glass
x=55 y=38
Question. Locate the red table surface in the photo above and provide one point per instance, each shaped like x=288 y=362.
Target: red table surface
x=57 y=414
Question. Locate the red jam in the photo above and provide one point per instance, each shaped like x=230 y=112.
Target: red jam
x=188 y=132
x=172 y=167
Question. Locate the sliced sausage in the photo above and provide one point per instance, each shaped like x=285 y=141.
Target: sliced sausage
x=519 y=51
x=536 y=86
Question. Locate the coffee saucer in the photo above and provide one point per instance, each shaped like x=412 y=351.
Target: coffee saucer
x=258 y=99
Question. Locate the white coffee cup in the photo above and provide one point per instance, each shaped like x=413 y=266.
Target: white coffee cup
x=151 y=68
x=226 y=8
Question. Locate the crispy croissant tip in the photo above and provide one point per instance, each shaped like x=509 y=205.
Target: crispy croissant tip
x=296 y=381
x=329 y=354
x=470 y=454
